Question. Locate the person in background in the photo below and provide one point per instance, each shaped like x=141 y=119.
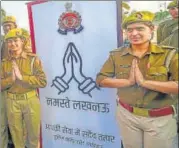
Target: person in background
x=167 y=32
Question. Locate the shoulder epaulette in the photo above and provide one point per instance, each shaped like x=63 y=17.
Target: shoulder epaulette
x=169 y=58
x=118 y=49
x=167 y=47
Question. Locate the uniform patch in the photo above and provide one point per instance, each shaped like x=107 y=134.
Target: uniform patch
x=139 y=16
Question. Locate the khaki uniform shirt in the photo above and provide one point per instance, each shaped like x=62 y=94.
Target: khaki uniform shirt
x=152 y=66
x=33 y=76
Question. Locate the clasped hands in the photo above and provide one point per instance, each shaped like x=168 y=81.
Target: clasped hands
x=16 y=74
x=135 y=76
x=72 y=63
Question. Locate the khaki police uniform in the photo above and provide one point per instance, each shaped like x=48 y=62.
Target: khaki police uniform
x=119 y=65
x=27 y=40
x=136 y=112
x=22 y=98
x=4 y=124
x=167 y=32
x=4 y=54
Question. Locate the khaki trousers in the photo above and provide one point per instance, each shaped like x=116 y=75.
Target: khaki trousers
x=146 y=132
x=27 y=110
x=3 y=121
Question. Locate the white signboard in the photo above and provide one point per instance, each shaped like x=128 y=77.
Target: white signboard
x=73 y=40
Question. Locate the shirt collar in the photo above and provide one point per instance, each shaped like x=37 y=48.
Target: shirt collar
x=23 y=55
x=152 y=49
x=155 y=49
x=126 y=51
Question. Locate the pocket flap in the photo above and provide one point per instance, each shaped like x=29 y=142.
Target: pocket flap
x=161 y=70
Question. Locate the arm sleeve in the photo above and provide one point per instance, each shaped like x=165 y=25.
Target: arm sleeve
x=38 y=79
x=6 y=82
x=107 y=70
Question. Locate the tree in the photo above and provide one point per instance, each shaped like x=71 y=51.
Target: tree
x=125 y=10
x=3 y=14
x=125 y=6
x=161 y=16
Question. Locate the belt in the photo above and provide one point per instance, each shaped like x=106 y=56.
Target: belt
x=21 y=96
x=157 y=112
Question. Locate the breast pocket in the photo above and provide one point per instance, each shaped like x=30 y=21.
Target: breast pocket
x=122 y=71
x=157 y=73
x=26 y=67
x=27 y=70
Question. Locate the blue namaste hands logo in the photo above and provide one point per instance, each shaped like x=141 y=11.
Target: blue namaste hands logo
x=72 y=64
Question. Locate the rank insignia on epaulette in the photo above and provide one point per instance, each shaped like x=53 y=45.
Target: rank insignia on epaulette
x=69 y=21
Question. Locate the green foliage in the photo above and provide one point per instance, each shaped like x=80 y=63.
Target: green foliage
x=3 y=14
x=125 y=6
x=161 y=16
